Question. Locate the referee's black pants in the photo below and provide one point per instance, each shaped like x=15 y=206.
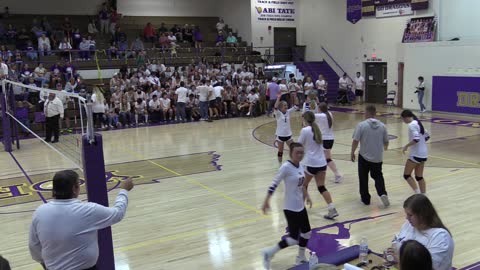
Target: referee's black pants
x=52 y=125
x=375 y=169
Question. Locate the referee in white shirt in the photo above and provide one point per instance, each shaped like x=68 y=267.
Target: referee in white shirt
x=63 y=234
x=53 y=110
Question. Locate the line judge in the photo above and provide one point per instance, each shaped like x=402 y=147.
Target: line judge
x=63 y=234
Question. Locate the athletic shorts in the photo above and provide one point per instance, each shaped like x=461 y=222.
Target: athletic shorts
x=327 y=144
x=297 y=222
x=218 y=100
x=284 y=139
x=314 y=170
x=417 y=159
x=212 y=103
x=359 y=93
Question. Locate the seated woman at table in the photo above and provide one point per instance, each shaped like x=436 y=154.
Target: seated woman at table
x=414 y=255
x=425 y=226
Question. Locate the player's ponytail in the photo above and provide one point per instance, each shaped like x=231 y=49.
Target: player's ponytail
x=313 y=103
x=310 y=119
x=408 y=113
x=324 y=109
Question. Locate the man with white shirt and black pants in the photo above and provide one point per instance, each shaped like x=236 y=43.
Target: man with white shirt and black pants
x=359 y=88
x=63 y=234
x=372 y=136
x=181 y=93
x=53 y=109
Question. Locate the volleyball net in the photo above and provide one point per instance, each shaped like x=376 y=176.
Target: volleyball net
x=23 y=117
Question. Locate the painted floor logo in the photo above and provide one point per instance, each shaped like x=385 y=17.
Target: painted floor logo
x=19 y=190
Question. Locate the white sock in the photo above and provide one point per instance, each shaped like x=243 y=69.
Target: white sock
x=136 y=119
x=331 y=206
x=417 y=191
x=146 y=119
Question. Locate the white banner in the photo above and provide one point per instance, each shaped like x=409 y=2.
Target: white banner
x=279 y=11
x=394 y=10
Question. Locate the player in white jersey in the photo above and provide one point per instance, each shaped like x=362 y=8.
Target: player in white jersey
x=417 y=137
x=284 y=129
x=314 y=161
x=291 y=173
x=311 y=104
x=324 y=121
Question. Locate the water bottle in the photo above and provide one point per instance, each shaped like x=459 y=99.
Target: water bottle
x=363 y=256
x=313 y=261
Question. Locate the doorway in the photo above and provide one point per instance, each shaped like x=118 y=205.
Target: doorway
x=284 y=41
x=376 y=82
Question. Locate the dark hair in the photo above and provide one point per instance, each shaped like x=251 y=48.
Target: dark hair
x=203 y=81
x=324 y=109
x=371 y=109
x=182 y=84
x=154 y=96
x=63 y=183
x=420 y=78
x=139 y=100
x=191 y=95
x=423 y=209
x=294 y=145
x=4 y=265
x=408 y=113
x=414 y=255
x=164 y=94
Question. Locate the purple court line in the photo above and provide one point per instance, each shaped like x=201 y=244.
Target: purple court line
x=28 y=177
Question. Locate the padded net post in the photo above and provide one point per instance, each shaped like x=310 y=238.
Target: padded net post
x=6 y=134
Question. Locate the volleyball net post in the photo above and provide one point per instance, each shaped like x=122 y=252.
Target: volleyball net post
x=6 y=134
x=94 y=174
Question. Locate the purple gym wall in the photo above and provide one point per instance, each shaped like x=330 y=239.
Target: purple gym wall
x=456 y=94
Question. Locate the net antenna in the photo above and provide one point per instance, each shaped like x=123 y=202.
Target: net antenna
x=70 y=145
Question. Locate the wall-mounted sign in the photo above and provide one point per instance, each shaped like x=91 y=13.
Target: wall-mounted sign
x=279 y=11
x=456 y=94
x=394 y=10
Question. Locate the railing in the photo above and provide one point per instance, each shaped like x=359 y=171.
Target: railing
x=336 y=63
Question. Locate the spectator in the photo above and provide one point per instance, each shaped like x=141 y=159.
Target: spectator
x=220 y=40
x=12 y=71
x=192 y=108
x=57 y=37
x=425 y=226
x=114 y=16
x=44 y=45
x=120 y=38
x=164 y=41
x=92 y=28
x=141 y=111
x=25 y=73
x=168 y=112
x=98 y=107
x=187 y=34
x=104 y=20
x=112 y=52
x=181 y=94
x=4 y=265
x=70 y=70
x=172 y=39
x=198 y=37
x=65 y=47
x=177 y=31
x=46 y=25
x=220 y=25
x=137 y=45
x=70 y=245
x=67 y=28
x=149 y=33
x=155 y=110
x=31 y=53
x=6 y=54
x=22 y=40
x=162 y=29
x=76 y=39
x=71 y=86
x=93 y=44
x=414 y=255
x=232 y=40
x=84 y=48
x=40 y=74
x=11 y=33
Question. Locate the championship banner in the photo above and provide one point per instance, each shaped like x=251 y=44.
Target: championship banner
x=354 y=11
x=368 y=8
x=456 y=94
x=275 y=11
x=420 y=29
x=394 y=10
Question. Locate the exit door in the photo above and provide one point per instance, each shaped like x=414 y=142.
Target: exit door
x=376 y=82
x=284 y=41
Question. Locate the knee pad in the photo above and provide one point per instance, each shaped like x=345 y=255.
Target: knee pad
x=329 y=160
x=322 y=189
x=418 y=178
x=406 y=176
x=291 y=242
x=306 y=235
x=280 y=154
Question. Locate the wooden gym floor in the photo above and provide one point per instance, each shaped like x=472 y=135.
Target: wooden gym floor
x=200 y=187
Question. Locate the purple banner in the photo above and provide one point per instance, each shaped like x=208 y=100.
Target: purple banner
x=456 y=94
x=354 y=11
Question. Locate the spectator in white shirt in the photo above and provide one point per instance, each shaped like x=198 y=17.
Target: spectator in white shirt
x=166 y=107
x=98 y=106
x=65 y=47
x=252 y=101
x=53 y=110
x=40 y=74
x=359 y=87
x=63 y=234
x=220 y=25
x=154 y=109
x=425 y=226
x=181 y=93
x=141 y=111
x=44 y=45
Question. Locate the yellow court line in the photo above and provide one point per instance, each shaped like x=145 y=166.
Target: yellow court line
x=197 y=183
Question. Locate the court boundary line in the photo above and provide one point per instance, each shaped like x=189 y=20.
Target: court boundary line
x=27 y=176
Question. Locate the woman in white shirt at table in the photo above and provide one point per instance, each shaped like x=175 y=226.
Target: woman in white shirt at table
x=425 y=226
